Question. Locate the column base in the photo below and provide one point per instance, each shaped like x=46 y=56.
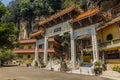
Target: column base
x=36 y=63
x=73 y=66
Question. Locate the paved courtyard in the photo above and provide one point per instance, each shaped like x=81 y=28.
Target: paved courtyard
x=23 y=73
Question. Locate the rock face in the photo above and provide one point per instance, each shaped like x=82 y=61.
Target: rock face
x=23 y=30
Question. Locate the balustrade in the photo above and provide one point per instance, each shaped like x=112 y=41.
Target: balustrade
x=105 y=44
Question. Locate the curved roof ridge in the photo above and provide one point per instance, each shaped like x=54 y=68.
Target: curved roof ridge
x=85 y=14
x=62 y=12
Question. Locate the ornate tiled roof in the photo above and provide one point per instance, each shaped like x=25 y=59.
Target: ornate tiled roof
x=85 y=14
x=62 y=12
x=67 y=10
x=51 y=39
x=37 y=33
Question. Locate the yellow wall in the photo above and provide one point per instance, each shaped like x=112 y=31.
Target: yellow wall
x=32 y=55
x=25 y=56
x=112 y=29
x=99 y=36
x=87 y=58
x=26 y=46
x=50 y=45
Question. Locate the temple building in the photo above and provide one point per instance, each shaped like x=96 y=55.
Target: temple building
x=81 y=26
x=26 y=48
x=108 y=36
x=92 y=38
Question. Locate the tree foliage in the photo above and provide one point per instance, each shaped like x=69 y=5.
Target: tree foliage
x=55 y=5
x=2 y=10
x=7 y=35
x=5 y=55
x=65 y=42
x=68 y=3
x=28 y=10
x=107 y=4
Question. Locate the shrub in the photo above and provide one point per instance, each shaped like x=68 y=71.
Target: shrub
x=6 y=55
x=98 y=63
x=116 y=68
x=28 y=61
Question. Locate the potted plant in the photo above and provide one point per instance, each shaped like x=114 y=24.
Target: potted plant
x=98 y=67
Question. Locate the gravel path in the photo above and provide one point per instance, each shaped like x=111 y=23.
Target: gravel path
x=23 y=73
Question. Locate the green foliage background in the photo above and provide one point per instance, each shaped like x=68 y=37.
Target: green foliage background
x=7 y=35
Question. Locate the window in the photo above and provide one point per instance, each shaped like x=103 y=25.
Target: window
x=21 y=47
x=20 y=56
x=57 y=29
x=113 y=56
x=50 y=45
x=28 y=56
x=40 y=46
x=109 y=37
x=29 y=47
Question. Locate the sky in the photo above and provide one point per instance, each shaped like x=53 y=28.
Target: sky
x=6 y=2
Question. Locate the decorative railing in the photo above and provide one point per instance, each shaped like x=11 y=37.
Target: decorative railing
x=109 y=43
x=105 y=44
x=41 y=50
x=24 y=50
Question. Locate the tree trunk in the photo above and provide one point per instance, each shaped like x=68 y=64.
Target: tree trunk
x=2 y=62
x=18 y=26
x=30 y=23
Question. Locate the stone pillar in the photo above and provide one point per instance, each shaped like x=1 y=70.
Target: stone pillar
x=94 y=45
x=82 y=55
x=73 y=53
x=81 y=51
x=103 y=57
x=36 y=61
x=45 y=51
x=36 y=52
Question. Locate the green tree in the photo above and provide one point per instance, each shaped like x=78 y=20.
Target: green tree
x=68 y=3
x=104 y=4
x=7 y=31
x=107 y=4
x=79 y=3
x=7 y=36
x=55 y=5
x=28 y=10
x=65 y=44
x=2 y=10
x=6 y=55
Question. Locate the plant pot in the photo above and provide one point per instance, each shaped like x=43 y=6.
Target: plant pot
x=96 y=72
